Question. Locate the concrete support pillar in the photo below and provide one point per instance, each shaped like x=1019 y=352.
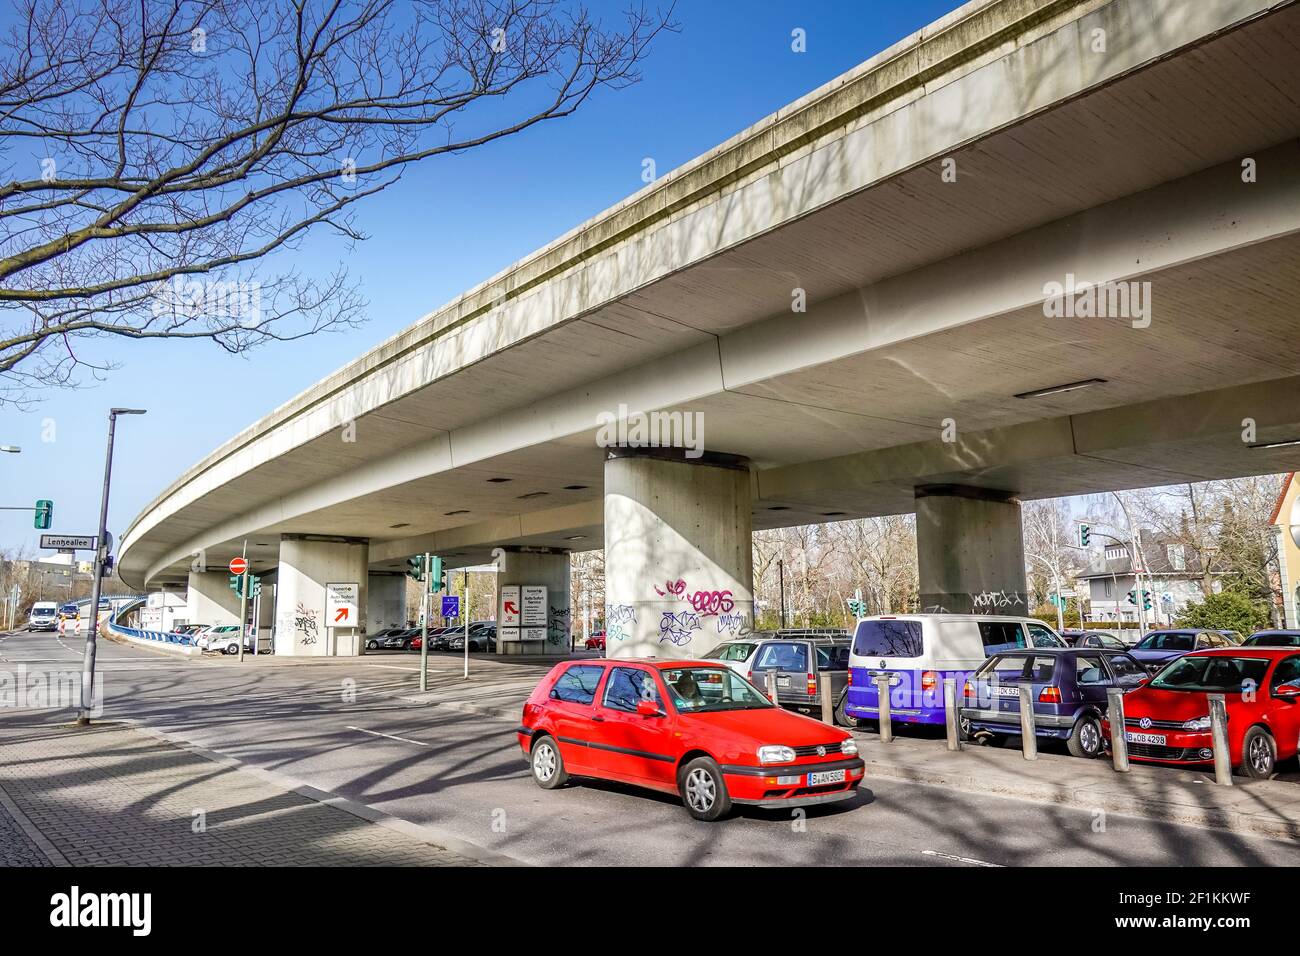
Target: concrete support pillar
x=548 y=567
x=209 y=600
x=679 y=572
x=307 y=564
x=970 y=551
x=385 y=600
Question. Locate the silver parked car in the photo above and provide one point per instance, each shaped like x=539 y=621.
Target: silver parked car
x=802 y=661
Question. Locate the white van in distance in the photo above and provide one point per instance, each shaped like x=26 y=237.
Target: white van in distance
x=43 y=617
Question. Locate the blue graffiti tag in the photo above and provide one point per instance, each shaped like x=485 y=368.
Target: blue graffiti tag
x=678 y=627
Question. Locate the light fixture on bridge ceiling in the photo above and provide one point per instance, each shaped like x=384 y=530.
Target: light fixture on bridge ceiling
x=833 y=514
x=1287 y=443
x=779 y=508
x=575 y=487
x=1057 y=389
x=499 y=481
x=532 y=494
x=401 y=524
x=575 y=537
x=458 y=511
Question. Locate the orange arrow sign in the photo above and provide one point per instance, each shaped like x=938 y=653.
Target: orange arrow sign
x=341 y=614
x=510 y=608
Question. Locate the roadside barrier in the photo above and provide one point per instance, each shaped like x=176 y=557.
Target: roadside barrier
x=1118 y=742
x=1219 y=735
x=884 y=705
x=950 y=712
x=1028 y=733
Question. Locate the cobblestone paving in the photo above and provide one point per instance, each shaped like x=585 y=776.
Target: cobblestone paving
x=111 y=795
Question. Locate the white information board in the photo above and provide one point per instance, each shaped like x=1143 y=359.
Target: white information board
x=508 y=614
x=341 y=604
x=534 y=609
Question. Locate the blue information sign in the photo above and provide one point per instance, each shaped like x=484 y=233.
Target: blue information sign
x=451 y=605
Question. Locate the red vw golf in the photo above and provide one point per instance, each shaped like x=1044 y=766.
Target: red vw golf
x=1168 y=719
x=697 y=730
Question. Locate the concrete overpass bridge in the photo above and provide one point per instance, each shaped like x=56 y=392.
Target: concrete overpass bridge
x=1042 y=247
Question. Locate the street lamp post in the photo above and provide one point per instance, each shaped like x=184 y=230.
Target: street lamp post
x=1056 y=577
x=92 y=631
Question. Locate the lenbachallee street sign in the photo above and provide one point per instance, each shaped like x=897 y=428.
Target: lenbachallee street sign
x=69 y=542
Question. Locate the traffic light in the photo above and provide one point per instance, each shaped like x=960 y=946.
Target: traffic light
x=106 y=569
x=1085 y=534
x=44 y=514
x=234 y=582
x=1132 y=596
x=256 y=586
x=435 y=574
x=1146 y=600
x=415 y=567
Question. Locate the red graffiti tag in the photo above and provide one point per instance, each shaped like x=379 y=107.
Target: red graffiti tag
x=712 y=602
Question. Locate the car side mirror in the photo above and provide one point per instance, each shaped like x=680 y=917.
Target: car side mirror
x=1143 y=681
x=1288 y=691
x=648 y=708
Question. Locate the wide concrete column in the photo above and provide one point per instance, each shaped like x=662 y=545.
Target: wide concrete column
x=307 y=564
x=385 y=600
x=209 y=600
x=679 y=572
x=537 y=566
x=970 y=550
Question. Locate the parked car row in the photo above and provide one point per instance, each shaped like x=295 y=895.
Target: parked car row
x=482 y=637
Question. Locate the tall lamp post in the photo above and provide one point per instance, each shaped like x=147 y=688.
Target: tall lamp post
x=101 y=552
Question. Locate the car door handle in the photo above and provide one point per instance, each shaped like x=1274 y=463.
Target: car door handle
x=599 y=719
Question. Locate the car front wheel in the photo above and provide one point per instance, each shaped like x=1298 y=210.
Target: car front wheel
x=704 y=791
x=372 y=645
x=1085 y=739
x=232 y=649
x=1258 y=754
x=548 y=765
x=842 y=717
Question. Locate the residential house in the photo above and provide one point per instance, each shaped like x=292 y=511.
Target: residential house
x=1172 y=575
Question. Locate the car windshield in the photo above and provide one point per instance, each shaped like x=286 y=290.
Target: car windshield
x=1273 y=640
x=1214 y=673
x=1167 y=642
x=735 y=651
x=697 y=690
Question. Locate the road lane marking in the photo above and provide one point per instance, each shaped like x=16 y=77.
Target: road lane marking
x=960 y=859
x=375 y=733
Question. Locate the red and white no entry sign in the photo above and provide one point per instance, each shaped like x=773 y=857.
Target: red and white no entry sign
x=238 y=565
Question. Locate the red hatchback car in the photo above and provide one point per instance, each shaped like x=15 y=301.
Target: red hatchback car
x=1167 y=720
x=696 y=730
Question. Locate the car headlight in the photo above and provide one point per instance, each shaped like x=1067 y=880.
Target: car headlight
x=775 y=753
x=1197 y=723
x=849 y=747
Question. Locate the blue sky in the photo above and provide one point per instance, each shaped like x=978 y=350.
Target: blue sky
x=444 y=228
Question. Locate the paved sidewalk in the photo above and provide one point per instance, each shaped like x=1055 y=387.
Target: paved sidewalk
x=113 y=795
x=1262 y=807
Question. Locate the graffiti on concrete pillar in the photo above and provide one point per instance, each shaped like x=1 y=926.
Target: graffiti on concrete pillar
x=675 y=588
x=678 y=627
x=995 y=600
x=733 y=624
x=618 y=617
x=558 y=622
x=304 y=624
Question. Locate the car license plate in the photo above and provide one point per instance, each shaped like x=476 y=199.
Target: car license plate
x=1158 y=739
x=782 y=681
x=825 y=777
x=1007 y=692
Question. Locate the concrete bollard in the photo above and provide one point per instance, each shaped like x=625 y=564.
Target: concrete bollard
x=950 y=712
x=1029 y=739
x=769 y=679
x=882 y=701
x=1118 y=742
x=828 y=704
x=1219 y=736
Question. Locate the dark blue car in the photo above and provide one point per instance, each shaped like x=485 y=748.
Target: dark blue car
x=1068 y=688
x=1276 y=638
x=1158 y=648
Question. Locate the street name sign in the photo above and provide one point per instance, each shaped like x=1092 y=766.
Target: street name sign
x=69 y=542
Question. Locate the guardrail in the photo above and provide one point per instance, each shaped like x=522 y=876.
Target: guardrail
x=163 y=637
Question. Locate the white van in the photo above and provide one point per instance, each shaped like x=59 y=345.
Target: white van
x=917 y=651
x=44 y=616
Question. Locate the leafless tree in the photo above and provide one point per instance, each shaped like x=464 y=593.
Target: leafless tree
x=163 y=157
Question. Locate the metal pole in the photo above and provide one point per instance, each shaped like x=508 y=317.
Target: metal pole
x=424 y=628
x=92 y=630
x=1118 y=742
x=243 y=602
x=769 y=679
x=466 y=675
x=780 y=571
x=882 y=705
x=1028 y=737
x=1219 y=736
x=828 y=705
x=950 y=712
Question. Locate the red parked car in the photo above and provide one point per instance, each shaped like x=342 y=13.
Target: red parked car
x=596 y=642
x=1167 y=719
x=693 y=729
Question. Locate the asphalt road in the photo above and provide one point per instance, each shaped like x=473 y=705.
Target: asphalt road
x=340 y=727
